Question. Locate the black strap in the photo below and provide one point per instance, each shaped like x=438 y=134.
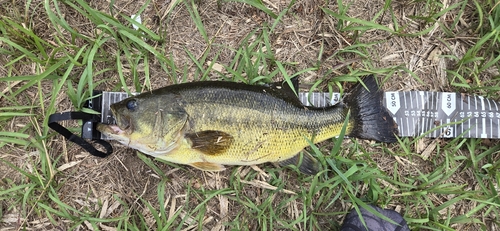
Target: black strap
x=93 y=119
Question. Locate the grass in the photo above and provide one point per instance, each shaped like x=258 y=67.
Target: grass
x=456 y=188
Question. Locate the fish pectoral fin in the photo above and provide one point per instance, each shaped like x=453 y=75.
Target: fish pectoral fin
x=306 y=163
x=210 y=142
x=208 y=166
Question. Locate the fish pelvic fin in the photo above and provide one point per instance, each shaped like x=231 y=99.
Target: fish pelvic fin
x=306 y=163
x=371 y=119
x=208 y=166
x=210 y=142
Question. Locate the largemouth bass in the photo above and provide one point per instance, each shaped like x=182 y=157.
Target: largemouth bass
x=211 y=124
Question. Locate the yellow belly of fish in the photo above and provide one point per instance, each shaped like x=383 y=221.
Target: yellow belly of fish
x=251 y=147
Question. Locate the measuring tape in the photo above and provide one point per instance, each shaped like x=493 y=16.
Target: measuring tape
x=417 y=113
x=444 y=114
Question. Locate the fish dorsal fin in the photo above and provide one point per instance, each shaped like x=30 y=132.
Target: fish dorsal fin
x=210 y=142
x=284 y=86
x=283 y=90
x=306 y=163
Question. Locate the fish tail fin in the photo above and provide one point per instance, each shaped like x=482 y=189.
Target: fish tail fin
x=371 y=119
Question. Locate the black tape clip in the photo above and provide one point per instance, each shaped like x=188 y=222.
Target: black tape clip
x=89 y=130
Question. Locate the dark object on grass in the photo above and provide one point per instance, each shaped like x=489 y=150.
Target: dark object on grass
x=353 y=222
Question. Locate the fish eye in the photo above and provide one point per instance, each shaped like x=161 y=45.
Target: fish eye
x=132 y=105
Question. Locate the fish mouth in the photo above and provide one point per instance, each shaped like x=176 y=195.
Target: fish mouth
x=123 y=125
x=110 y=129
x=120 y=131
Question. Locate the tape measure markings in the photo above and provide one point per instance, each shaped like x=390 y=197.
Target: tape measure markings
x=449 y=107
x=420 y=119
x=483 y=130
x=407 y=119
x=436 y=107
x=431 y=109
x=491 y=122
x=498 y=120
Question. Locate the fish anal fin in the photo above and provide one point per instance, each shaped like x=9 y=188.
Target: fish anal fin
x=306 y=163
x=208 y=166
x=210 y=142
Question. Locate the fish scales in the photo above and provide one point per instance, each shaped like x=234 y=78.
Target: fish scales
x=264 y=128
x=211 y=124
